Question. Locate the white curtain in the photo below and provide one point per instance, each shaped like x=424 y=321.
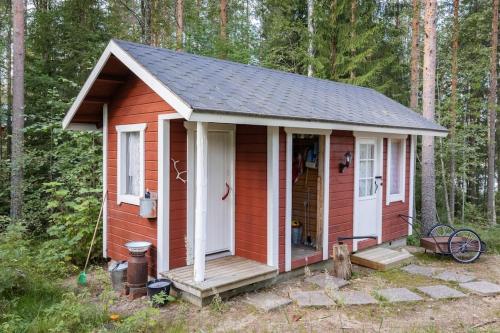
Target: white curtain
x=395 y=166
x=133 y=163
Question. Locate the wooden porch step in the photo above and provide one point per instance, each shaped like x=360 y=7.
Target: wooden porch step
x=222 y=276
x=381 y=258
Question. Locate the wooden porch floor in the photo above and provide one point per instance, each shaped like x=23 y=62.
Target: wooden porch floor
x=221 y=275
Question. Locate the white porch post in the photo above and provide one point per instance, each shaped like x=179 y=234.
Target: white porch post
x=200 y=223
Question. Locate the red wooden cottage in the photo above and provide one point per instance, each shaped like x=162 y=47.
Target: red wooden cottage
x=257 y=171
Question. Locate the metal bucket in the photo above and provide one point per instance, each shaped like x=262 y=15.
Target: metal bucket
x=118 y=273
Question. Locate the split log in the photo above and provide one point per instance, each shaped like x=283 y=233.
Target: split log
x=342 y=267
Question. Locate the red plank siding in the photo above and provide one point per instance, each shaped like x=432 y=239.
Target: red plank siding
x=392 y=226
x=178 y=195
x=251 y=192
x=341 y=189
x=134 y=103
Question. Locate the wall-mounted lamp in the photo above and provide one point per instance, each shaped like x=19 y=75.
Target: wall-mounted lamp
x=346 y=163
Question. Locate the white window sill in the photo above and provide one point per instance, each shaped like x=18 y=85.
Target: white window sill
x=395 y=198
x=129 y=199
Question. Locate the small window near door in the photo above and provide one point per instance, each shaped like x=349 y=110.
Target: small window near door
x=396 y=152
x=130 y=163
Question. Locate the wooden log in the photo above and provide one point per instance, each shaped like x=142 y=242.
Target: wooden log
x=342 y=267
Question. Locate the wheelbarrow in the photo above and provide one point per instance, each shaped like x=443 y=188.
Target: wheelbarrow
x=464 y=245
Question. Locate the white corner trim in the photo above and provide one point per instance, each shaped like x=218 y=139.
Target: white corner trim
x=105 y=180
x=163 y=218
x=156 y=85
x=326 y=197
x=120 y=163
x=411 y=198
x=402 y=186
x=288 y=203
x=273 y=196
x=380 y=144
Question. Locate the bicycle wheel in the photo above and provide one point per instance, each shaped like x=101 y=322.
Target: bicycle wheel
x=441 y=230
x=465 y=246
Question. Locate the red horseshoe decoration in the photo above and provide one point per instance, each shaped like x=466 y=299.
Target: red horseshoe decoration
x=224 y=197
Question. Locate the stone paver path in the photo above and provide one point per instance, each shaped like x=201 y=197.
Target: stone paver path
x=311 y=298
x=399 y=295
x=441 y=291
x=327 y=281
x=455 y=276
x=483 y=288
x=420 y=270
x=354 y=298
x=266 y=301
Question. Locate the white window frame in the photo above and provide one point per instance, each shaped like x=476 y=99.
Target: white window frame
x=402 y=184
x=121 y=163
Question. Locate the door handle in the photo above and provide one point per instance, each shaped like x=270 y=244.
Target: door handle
x=228 y=189
x=377 y=179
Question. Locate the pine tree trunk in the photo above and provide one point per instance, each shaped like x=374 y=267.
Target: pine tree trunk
x=146 y=21
x=415 y=55
x=16 y=182
x=9 y=81
x=179 y=18
x=354 y=6
x=428 y=107
x=333 y=42
x=492 y=106
x=310 y=31
x=453 y=109
x=223 y=19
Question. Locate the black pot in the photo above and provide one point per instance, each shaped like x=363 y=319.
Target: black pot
x=156 y=286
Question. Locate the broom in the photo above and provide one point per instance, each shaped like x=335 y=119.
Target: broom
x=82 y=277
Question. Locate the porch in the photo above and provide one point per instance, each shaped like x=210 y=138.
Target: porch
x=230 y=274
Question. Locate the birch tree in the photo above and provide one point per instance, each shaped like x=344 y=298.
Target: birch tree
x=428 y=108
x=492 y=110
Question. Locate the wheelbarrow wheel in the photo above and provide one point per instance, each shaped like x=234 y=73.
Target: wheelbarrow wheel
x=441 y=230
x=465 y=246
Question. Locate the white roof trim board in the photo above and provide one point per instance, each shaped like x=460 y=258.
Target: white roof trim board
x=207 y=89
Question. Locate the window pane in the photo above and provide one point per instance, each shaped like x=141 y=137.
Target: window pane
x=132 y=171
x=362 y=151
x=369 y=168
x=395 y=167
x=370 y=188
x=362 y=169
x=371 y=151
x=362 y=188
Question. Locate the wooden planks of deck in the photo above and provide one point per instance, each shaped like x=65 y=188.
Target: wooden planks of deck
x=221 y=275
x=381 y=258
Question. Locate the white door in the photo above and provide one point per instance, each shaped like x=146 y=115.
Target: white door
x=220 y=192
x=368 y=189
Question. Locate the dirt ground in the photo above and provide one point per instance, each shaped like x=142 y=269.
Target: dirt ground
x=470 y=314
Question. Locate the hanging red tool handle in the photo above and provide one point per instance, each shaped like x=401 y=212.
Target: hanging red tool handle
x=228 y=189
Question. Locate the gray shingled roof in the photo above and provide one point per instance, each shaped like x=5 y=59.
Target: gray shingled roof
x=214 y=85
